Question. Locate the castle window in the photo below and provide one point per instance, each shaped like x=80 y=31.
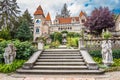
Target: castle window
x=38 y=21
x=83 y=20
x=37 y=30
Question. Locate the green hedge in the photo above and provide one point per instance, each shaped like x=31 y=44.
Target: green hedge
x=97 y=53
x=24 y=49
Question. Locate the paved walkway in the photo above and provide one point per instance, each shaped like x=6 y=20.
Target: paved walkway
x=106 y=76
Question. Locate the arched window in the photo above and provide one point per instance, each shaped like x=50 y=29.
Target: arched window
x=38 y=21
x=37 y=30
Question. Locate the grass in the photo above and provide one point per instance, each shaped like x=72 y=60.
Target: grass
x=114 y=67
x=47 y=47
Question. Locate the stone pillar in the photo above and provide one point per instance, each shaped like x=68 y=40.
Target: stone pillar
x=40 y=45
x=81 y=44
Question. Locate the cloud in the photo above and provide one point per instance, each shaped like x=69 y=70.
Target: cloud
x=75 y=6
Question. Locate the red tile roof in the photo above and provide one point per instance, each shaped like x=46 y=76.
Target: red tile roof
x=81 y=14
x=67 y=20
x=39 y=11
x=48 y=18
x=64 y=20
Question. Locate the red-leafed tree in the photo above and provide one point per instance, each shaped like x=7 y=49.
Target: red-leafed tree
x=101 y=18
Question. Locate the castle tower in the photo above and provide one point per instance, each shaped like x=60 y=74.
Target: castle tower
x=39 y=19
x=82 y=17
x=48 y=19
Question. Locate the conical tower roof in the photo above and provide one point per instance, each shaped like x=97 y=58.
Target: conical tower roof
x=48 y=18
x=39 y=11
x=81 y=14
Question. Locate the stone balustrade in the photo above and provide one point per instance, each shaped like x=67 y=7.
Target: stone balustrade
x=95 y=44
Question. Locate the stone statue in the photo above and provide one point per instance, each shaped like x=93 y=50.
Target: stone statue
x=9 y=54
x=107 y=52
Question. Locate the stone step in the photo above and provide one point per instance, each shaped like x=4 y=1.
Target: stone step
x=49 y=67
x=60 y=57
x=60 y=63
x=59 y=54
x=63 y=50
x=59 y=60
x=36 y=71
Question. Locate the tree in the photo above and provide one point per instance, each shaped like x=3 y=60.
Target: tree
x=9 y=11
x=65 y=12
x=56 y=36
x=23 y=32
x=101 y=18
x=5 y=34
x=26 y=15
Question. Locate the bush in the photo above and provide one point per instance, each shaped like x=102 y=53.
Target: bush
x=7 y=68
x=106 y=35
x=55 y=44
x=5 y=34
x=73 y=42
x=24 y=49
x=97 y=53
x=56 y=36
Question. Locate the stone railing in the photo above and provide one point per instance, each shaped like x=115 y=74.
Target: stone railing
x=95 y=44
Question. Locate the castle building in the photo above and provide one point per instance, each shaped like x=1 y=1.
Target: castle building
x=62 y=22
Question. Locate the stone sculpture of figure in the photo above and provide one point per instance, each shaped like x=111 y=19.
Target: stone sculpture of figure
x=9 y=54
x=107 y=52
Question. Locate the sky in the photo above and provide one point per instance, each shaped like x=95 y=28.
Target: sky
x=75 y=6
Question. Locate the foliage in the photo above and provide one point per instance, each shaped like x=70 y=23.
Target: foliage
x=24 y=32
x=56 y=36
x=24 y=49
x=65 y=12
x=5 y=34
x=115 y=66
x=73 y=42
x=26 y=15
x=46 y=46
x=101 y=18
x=42 y=39
x=97 y=53
x=7 y=68
x=73 y=34
x=9 y=11
x=55 y=44
x=98 y=60
x=106 y=35
x=64 y=32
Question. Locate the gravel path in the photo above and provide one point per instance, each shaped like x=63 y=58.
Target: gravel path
x=106 y=76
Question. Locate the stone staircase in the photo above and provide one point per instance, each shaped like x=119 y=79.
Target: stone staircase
x=59 y=62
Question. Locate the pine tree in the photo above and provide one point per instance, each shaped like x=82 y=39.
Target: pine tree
x=26 y=15
x=9 y=10
x=23 y=32
x=65 y=12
